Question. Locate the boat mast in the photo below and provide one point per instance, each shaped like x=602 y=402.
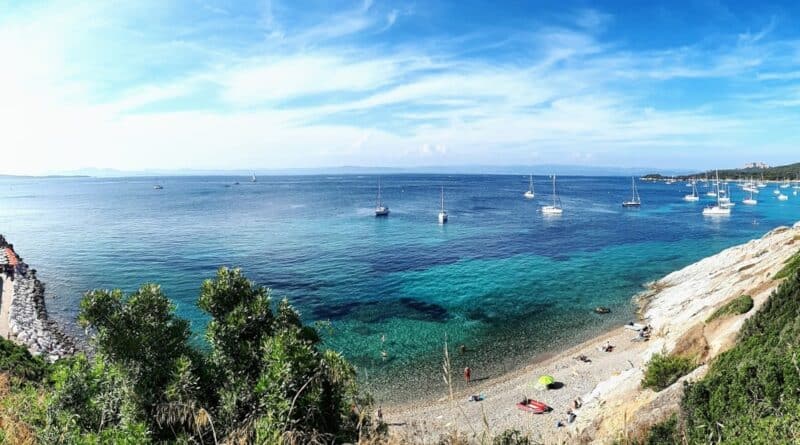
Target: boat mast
x=554 y=190
x=379 y=192
x=442 y=198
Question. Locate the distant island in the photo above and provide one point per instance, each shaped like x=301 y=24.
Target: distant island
x=752 y=170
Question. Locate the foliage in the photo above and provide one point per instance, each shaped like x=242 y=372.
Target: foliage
x=663 y=370
x=792 y=265
x=263 y=377
x=512 y=437
x=752 y=392
x=664 y=433
x=737 y=306
x=17 y=361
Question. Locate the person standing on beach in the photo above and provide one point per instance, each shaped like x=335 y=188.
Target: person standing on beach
x=467 y=374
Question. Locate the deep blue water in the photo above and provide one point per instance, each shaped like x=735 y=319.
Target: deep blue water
x=500 y=278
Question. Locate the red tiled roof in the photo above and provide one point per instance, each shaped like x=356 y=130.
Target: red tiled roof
x=12 y=257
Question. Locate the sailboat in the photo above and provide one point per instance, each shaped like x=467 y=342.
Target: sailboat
x=717 y=210
x=442 y=212
x=725 y=196
x=529 y=194
x=554 y=209
x=750 y=201
x=253 y=179
x=693 y=197
x=635 y=200
x=782 y=197
x=380 y=209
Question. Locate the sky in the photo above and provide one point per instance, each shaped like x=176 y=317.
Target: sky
x=207 y=84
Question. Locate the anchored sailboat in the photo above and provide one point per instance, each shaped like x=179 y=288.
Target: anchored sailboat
x=380 y=209
x=554 y=209
x=719 y=209
x=442 y=212
x=693 y=197
x=635 y=200
x=529 y=194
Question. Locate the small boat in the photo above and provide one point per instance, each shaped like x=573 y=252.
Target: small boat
x=253 y=178
x=750 y=201
x=783 y=197
x=602 y=310
x=777 y=191
x=693 y=197
x=236 y=183
x=635 y=200
x=533 y=406
x=158 y=187
x=529 y=194
x=442 y=212
x=380 y=209
x=719 y=209
x=554 y=209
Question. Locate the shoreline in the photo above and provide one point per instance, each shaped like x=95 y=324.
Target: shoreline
x=676 y=305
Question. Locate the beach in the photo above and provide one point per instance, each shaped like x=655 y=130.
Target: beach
x=613 y=403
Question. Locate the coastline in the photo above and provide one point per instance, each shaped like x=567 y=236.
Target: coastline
x=676 y=306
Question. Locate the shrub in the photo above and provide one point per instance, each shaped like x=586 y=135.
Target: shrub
x=737 y=306
x=664 y=370
x=792 y=265
x=17 y=361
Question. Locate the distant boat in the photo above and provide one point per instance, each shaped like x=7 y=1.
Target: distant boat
x=719 y=209
x=380 y=209
x=442 y=211
x=158 y=187
x=782 y=197
x=529 y=194
x=253 y=179
x=236 y=183
x=554 y=209
x=750 y=201
x=693 y=197
x=635 y=200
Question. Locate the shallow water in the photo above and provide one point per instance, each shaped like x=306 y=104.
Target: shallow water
x=500 y=278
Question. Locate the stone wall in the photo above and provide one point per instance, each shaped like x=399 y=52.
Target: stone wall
x=28 y=319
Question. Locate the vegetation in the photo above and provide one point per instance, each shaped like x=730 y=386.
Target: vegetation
x=737 y=306
x=751 y=393
x=17 y=361
x=663 y=370
x=262 y=379
x=792 y=265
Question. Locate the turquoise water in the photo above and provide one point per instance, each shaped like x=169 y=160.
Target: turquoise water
x=499 y=278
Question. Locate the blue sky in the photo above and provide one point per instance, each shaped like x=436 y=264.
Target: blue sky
x=280 y=84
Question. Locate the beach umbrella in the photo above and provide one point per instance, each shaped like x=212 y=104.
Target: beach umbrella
x=546 y=380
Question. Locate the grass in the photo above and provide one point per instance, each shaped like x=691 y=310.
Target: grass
x=792 y=265
x=737 y=306
x=663 y=370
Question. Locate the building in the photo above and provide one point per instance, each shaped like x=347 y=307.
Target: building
x=756 y=165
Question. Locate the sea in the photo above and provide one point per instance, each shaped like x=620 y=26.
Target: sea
x=499 y=285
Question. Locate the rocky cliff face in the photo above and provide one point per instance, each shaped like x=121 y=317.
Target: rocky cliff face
x=28 y=321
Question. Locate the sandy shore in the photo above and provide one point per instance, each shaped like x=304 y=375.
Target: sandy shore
x=613 y=401
x=427 y=420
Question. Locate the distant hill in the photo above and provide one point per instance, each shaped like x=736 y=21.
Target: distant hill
x=781 y=172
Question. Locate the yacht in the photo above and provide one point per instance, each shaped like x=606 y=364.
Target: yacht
x=554 y=209
x=782 y=197
x=529 y=194
x=158 y=187
x=750 y=201
x=693 y=197
x=635 y=200
x=380 y=209
x=717 y=210
x=442 y=212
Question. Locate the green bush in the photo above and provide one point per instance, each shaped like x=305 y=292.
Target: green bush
x=664 y=433
x=17 y=361
x=738 y=306
x=663 y=370
x=512 y=437
x=792 y=265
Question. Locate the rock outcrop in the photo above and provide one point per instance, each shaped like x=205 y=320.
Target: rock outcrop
x=28 y=321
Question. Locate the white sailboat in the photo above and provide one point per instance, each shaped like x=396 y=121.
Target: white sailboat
x=253 y=178
x=782 y=197
x=750 y=201
x=380 y=209
x=717 y=210
x=554 y=209
x=442 y=211
x=635 y=200
x=529 y=194
x=693 y=197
